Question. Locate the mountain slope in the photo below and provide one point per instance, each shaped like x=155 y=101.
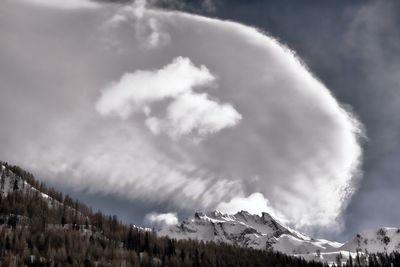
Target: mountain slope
x=386 y=239
x=244 y=229
x=266 y=232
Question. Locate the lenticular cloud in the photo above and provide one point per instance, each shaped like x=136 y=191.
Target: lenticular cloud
x=138 y=89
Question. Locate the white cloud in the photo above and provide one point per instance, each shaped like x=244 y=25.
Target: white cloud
x=161 y=219
x=148 y=31
x=255 y=203
x=137 y=90
x=195 y=114
x=187 y=113
x=63 y=4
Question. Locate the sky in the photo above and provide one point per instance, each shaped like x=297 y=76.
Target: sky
x=153 y=113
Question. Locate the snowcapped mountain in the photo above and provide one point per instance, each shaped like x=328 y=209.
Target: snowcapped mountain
x=386 y=239
x=266 y=232
x=245 y=229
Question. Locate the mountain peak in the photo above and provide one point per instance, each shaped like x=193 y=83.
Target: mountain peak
x=243 y=212
x=244 y=229
x=242 y=216
x=263 y=232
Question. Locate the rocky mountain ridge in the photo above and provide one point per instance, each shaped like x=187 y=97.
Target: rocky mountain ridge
x=266 y=232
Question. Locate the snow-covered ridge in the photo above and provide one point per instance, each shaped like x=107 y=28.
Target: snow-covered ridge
x=385 y=239
x=9 y=182
x=245 y=229
x=266 y=232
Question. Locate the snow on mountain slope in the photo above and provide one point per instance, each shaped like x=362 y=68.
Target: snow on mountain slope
x=335 y=257
x=265 y=232
x=386 y=239
x=244 y=229
x=9 y=182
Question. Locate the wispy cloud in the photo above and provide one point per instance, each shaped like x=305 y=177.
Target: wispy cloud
x=187 y=112
x=147 y=30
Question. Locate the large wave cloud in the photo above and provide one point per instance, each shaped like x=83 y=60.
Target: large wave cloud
x=239 y=116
